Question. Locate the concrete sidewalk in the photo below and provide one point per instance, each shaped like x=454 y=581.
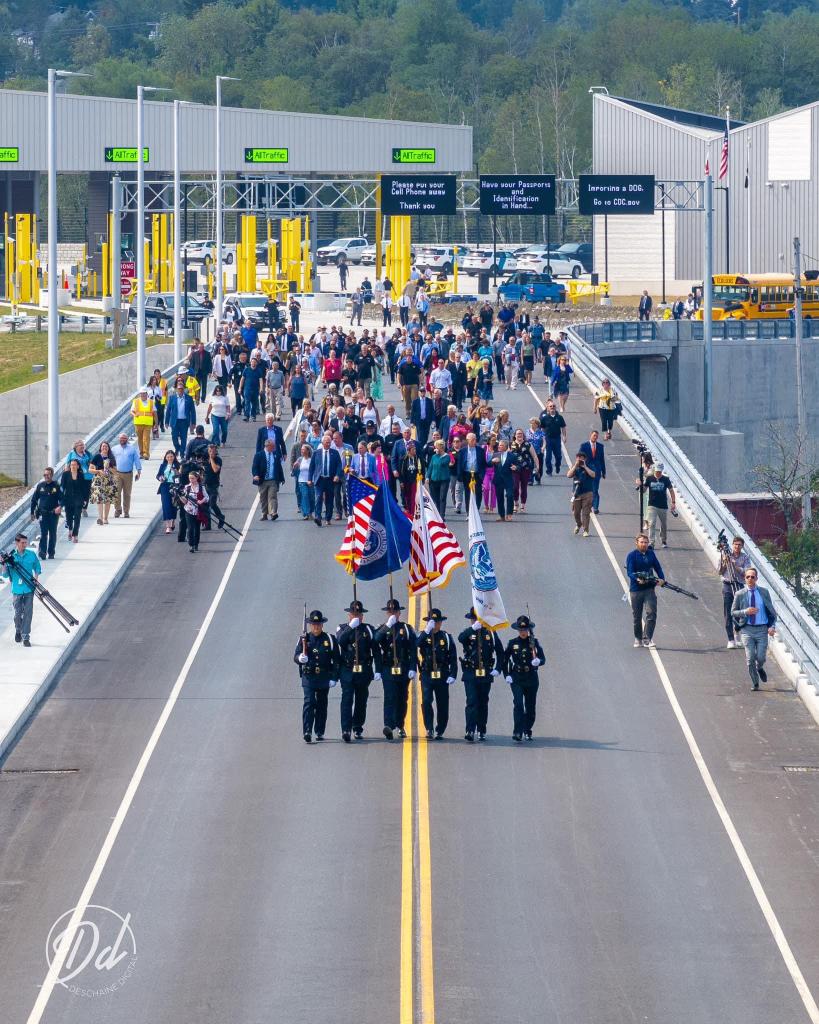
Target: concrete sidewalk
x=81 y=577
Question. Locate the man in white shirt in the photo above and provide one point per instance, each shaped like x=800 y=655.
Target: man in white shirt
x=387 y=421
x=441 y=378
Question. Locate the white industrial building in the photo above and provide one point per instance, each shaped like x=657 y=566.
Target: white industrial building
x=780 y=155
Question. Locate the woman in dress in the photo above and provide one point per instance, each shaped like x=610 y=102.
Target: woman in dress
x=376 y=384
x=605 y=400
x=537 y=439
x=527 y=460
x=489 y=496
x=103 y=485
x=561 y=381
x=194 y=499
x=167 y=476
x=527 y=358
x=503 y=426
x=408 y=476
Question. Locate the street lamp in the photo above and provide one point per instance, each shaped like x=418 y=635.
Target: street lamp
x=140 y=246
x=219 y=290
x=177 y=238
x=53 y=313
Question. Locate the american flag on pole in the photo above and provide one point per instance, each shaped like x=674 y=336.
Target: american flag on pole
x=723 y=157
x=360 y=498
x=707 y=167
x=434 y=550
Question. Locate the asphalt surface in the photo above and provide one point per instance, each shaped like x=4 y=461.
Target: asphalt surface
x=583 y=877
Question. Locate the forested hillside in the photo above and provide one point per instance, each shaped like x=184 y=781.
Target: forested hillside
x=518 y=72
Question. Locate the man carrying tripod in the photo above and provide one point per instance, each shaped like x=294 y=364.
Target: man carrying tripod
x=732 y=565
x=23 y=568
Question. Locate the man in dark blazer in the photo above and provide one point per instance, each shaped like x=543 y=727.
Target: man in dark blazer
x=644 y=309
x=596 y=460
x=180 y=416
x=422 y=416
x=471 y=468
x=755 y=618
x=268 y=476
x=274 y=432
x=506 y=465
x=325 y=472
x=447 y=422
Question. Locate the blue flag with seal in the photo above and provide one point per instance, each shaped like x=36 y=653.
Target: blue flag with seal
x=388 y=541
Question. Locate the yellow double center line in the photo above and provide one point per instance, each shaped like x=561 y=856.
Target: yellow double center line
x=417 y=1000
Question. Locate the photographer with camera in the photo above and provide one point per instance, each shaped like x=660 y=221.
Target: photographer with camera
x=582 y=492
x=22 y=567
x=660 y=489
x=644 y=573
x=733 y=562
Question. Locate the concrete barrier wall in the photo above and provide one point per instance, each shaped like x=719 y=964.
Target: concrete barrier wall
x=87 y=397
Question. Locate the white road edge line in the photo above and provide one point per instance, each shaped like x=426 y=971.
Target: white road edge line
x=51 y=978
x=728 y=824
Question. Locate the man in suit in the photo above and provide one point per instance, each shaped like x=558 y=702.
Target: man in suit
x=471 y=468
x=362 y=463
x=505 y=463
x=596 y=460
x=180 y=416
x=644 y=309
x=446 y=423
x=270 y=431
x=268 y=476
x=201 y=365
x=422 y=416
x=755 y=617
x=325 y=472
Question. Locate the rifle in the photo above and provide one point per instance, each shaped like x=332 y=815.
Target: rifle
x=304 y=632
x=648 y=577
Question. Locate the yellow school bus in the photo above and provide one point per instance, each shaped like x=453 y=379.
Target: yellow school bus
x=761 y=297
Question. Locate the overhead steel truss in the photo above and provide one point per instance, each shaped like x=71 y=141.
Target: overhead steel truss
x=287 y=197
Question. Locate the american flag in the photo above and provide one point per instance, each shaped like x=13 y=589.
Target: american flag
x=360 y=499
x=434 y=550
x=723 y=157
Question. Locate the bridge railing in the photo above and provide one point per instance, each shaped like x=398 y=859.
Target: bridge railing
x=17 y=519
x=609 y=332
x=703 y=509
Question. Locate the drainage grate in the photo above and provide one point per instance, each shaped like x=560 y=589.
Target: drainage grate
x=38 y=771
x=801 y=767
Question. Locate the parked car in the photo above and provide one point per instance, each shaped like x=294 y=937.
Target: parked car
x=250 y=306
x=436 y=257
x=368 y=254
x=482 y=260
x=202 y=250
x=159 y=309
x=583 y=251
x=351 y=248
x=543 y=261
x=527 y=286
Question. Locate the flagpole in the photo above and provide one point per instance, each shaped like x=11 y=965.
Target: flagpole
x=748 y=201
x=728 y=193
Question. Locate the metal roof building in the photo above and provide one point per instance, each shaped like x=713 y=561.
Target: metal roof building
x=780 y=154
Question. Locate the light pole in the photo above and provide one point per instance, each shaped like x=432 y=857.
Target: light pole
x=141 y=367
x=801 y=419
x=53 y=311
x=219 y=290
x=177 y=241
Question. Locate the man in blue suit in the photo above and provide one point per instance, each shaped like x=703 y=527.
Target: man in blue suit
x=270 y=431
x=596 y=460
x=325 y=472
x=362 y=464
x=471 y=468
x=506 y=465
x=268 y=476
x=422 y=416
x=180 y=416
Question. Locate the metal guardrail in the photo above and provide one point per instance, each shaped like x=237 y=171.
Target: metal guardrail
x=17 y=519
x=795 y=626
x=608 y=332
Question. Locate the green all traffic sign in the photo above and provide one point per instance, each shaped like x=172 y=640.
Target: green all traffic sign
x=9 y=154
x=278 y=155
x=125 y=154
x=413 y=156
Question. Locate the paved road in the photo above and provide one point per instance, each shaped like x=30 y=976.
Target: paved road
x=585 y=877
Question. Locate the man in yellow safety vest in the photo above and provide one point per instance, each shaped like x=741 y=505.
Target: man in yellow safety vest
x=142 y=409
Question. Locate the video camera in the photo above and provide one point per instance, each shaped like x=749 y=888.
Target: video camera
x=641 y=446
x=722 y=543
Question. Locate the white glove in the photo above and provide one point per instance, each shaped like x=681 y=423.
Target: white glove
x=450 y=680
x=354 y=623
x=377 y=677
x=391 y=621
x=303 y=659
x=535 y=662
x=509 y=680
x=411 y=674
x=333 y=682
x=494 y=672
x=429 y=627
x=476 y=626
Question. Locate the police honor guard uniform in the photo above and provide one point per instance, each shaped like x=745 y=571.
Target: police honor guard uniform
x=438 y=660
x=523 y=657
x=318 y=667
x=483 y=660
x=356 y=648
x=396 y=661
